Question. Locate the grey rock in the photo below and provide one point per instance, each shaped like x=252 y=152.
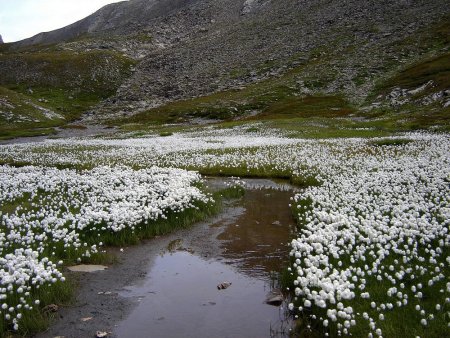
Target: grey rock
x=1 y=39
x=252 y=5
x=275 y=298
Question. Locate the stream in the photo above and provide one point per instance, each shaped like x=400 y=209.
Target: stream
x=168 y=286
x=181 y=299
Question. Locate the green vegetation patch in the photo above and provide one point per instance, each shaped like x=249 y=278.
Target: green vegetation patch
x=65 y=82
x=436 y=69
x=279 y=102
x=22 y=115
x=97 y=72
x=309 y=106
x=390 y=142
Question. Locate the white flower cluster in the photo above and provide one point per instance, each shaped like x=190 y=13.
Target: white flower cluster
x=47 y=209
x=380 y=217
x=179 y=150
x=380 y=222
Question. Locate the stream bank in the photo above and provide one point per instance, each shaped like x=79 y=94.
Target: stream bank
x=167 y=286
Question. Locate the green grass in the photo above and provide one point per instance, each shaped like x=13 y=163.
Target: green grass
x=277 y=103
x=159 y=227
x=39 y=318
x=67 y=102
x=21 y=116
x=307 y=106
x=20 y=132
x=436 y=69
x=414 y=116
x=277 y=107
x=390 y=142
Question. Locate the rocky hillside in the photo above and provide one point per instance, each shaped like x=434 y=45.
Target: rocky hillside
x=238 y=58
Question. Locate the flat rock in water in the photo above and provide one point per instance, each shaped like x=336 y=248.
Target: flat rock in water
x=87 y=268
x=275 y=298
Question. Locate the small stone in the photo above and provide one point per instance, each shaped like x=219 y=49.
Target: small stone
x=50 y=308
x=85 y=319
x=101 y=334
x=223 y=286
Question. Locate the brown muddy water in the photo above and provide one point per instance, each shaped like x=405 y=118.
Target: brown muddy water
x=180 y=298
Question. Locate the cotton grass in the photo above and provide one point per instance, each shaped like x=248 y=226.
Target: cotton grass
x=374 y=231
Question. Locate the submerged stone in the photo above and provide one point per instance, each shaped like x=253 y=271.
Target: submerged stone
x=223 y=286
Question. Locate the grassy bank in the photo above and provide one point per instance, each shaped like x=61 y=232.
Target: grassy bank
x=27 y=303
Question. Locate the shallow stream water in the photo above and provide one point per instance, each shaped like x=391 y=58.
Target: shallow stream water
x=180 y=298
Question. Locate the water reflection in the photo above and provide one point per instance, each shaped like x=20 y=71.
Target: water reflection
x=257 y=243
x=181 y=299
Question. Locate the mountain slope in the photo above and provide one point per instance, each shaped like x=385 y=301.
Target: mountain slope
x=114 y=19
x=265 y=49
